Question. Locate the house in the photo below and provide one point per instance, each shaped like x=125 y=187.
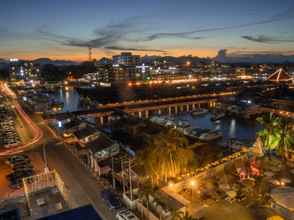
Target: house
x=102 y=148
x=86 y=134
x=72 y=126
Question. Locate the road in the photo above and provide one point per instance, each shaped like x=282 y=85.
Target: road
x=84 y=188
x=36 y=131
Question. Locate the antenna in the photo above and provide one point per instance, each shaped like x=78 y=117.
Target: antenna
x=90 y=53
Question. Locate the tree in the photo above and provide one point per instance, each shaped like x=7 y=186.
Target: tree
x=180 y=215
x=166 y=156
x=271 y=133
x=275 y=217
x=51 y=72
x=4 y=73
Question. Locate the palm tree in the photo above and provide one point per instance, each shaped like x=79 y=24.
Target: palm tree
x=271 y=133
x=287 y=137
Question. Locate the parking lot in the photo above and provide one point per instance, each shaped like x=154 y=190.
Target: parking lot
x=13 y=169
x=8 y=133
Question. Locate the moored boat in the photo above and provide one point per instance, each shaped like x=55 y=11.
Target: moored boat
x=211 y=136
x=199 y=111
x=217 y=116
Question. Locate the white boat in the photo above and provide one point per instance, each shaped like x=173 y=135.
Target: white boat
x=196 y=132
x=199 y=111
x=170 y=123
x=158 y=119
x=218 y=116
x=211 y=136
x=183 y=124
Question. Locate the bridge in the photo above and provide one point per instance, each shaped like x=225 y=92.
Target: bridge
x=145 y=108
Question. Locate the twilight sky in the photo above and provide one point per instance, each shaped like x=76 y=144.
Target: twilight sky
x=64 y=29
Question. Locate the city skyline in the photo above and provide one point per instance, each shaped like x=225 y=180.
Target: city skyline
x=59 y=30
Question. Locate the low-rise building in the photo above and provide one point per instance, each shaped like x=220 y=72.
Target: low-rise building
x=86 y=134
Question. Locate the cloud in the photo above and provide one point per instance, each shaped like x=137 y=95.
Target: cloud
x=255 y=56
x=117 y=34
x=266 y=39
x=284 y=15
x=47 y=35
x=185 y=35
x=134 y=49
x=110 y=37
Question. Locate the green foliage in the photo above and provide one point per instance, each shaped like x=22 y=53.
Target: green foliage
x=270 y=134
x=52 y=73
x=276 y=134
x=166 y=156
x=179 y=215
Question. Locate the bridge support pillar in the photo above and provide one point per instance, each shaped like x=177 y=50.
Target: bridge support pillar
x=187 y=107
x=146 y=114
x=169 y=111
x=140 y=114
x=159 y=111
x=176 y=109
x=193 y=106
x=181 y=108
x=101 y=120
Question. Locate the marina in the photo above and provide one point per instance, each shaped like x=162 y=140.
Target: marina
x=202 y=127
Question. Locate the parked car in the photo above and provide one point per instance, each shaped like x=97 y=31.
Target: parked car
x=18 y=158
x=111 y=199
x=126 y=215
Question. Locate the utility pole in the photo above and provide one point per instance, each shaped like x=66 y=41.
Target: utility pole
x=46 y=169
x=123 y=175
x=130 y=177
x=112 y=171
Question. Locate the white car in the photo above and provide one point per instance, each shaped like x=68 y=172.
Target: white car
x=126 y=215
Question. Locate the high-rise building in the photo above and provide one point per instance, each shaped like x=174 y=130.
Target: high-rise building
x=22 y=69
x=126 y=58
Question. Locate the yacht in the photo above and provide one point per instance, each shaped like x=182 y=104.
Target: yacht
x=199 y=111
x=211 y=136
x=183 y=123
x=197 y=132
x=218 y=116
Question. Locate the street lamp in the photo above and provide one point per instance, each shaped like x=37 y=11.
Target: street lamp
x=193 y=185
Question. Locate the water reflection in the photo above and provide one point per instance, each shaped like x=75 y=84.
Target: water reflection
x=230 y=127
x=232 y=130
x=69 y=97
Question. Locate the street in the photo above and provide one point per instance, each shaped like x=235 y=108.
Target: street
x=84 y=189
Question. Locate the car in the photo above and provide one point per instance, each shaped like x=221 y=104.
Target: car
x=23 y=169
x=126 y=215
x=14 y=159
x=111 y=199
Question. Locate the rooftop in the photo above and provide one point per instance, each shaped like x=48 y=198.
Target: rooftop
x=99 y=143
x=82 y=213
x=85 y=132
x=284 y=197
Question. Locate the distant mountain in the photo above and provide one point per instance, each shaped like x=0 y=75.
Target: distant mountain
x=3 y=63
x=246 y=57
x=44 y=61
